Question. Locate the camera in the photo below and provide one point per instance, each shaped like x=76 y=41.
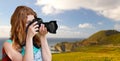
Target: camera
x=51 y=26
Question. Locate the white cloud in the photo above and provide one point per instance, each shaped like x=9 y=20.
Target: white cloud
x=62 y=32
x=107 y=8
x=112 y=13
x=85 y=25
x=59 y=4
x=57 y=19
x=117 y=27
x=4 y=31
x=49 y=9
x=63 y=27
x=100 y=23
x=67 y=32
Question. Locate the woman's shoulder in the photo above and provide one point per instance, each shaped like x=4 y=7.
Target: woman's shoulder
x=9 y=50
x=7 y=43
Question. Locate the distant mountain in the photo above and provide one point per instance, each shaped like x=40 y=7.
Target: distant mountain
x=104 y=37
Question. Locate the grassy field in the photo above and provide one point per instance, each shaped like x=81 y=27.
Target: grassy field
x=91 y=53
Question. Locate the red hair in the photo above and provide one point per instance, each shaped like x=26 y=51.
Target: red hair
x=18 y=27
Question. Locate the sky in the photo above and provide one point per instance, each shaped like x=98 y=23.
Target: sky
x=75 y=18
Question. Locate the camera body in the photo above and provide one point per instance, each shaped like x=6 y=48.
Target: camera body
x=51 y=26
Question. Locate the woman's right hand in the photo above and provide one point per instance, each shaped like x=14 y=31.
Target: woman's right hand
x=32 y=30
x=29 y=42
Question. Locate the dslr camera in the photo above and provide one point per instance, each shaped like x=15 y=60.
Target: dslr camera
x=51 y=26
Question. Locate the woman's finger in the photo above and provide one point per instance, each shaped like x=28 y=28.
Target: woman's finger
x=42 y=27
x=34 y=23
x=36 y=26
x=36 y=29
x=45 y=29
x=35 y=33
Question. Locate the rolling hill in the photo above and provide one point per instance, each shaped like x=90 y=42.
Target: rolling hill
x=103 y=37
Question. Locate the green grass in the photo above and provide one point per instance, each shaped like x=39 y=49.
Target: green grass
x=91 y=53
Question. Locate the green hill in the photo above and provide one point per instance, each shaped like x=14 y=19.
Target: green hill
x=103 y=37
x=101 y=46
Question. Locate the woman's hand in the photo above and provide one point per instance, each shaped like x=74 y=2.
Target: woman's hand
x=44 y=44
x=32 y=30
x=43 y=30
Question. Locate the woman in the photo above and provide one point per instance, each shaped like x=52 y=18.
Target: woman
x=30 y=45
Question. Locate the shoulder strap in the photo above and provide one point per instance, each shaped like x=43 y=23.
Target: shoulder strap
x=9 y=41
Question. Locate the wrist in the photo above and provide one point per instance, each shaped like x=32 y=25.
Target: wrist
x=29 y=38
x=42 y=37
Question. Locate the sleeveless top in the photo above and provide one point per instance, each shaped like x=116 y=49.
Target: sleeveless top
x=36 y=52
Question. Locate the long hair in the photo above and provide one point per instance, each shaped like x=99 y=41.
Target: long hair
x=18 y=27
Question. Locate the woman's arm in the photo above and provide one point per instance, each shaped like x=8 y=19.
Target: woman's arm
x=46 y=54
x=15 y=55
x=29 y=42
x=28 y=50
x=11 y=53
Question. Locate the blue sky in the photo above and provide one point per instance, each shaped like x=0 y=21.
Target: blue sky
x=76 y=18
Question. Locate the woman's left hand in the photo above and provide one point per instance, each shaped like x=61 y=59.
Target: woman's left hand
x=43 y=30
